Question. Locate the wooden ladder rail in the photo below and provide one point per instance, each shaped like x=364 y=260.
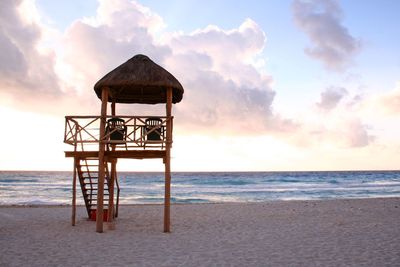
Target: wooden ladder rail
x=117 y=202
x=106 y=187
x=90 y=181
x=83 y=187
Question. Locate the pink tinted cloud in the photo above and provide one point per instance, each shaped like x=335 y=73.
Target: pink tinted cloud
x=224 y=92
x=321 y=21
x=24 y=71
x=331 y=97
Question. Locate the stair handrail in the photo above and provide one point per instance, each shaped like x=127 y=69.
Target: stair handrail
x=117 y=204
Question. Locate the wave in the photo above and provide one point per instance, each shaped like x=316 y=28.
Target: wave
x=49 y=188
x=384 y=183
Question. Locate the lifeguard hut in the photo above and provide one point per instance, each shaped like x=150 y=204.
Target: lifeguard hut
x=99 y=141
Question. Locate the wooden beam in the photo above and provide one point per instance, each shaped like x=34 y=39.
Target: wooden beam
x=81 y=154
x=138 y=154
x=167 y=162
x=133 y=154
x=100 y=188
x=73 y=217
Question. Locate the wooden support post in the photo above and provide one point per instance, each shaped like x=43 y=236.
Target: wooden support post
x=73 y=217
x=100 y=185
x=110 y=215
x=113 y=108
x=167 y=162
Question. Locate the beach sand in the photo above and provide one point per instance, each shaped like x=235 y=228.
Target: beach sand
x=280 y=233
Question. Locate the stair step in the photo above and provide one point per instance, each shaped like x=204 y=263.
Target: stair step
x=94 y=184
x=95 y=187
x=84 y=182
x=88 y=171
x=95 y=193
x=90 y=181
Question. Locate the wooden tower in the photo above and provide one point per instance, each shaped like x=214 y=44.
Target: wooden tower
x=99 y=141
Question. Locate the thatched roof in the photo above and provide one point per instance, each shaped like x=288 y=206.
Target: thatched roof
x=139 y=80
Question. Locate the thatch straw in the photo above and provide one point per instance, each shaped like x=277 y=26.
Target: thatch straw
x=139 y=80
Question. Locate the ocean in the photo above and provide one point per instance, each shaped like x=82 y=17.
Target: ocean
x=54 y=188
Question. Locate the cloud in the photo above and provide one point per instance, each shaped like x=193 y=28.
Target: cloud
x=335 y=120
x=357 y=134
x=321 y=20
x=23 y=68
x=28 y=78
x=333 y=131
x=230 y=50
x=224 y=92
x=383 y=106
x=390 y=102
x=94 y=46
x=331 y=97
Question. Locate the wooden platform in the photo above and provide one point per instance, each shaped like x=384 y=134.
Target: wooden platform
x=131 y=154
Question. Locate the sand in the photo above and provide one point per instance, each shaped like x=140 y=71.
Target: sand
x=282 y=233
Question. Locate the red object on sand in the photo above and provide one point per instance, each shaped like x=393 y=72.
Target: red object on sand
x=93 y=215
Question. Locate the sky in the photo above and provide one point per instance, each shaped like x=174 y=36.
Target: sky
x=297 y=85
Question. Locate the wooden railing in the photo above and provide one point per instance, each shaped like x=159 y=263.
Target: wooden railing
x=122 y=132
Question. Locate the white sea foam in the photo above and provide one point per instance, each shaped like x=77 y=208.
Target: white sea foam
x=385 y=183
x=42 y=188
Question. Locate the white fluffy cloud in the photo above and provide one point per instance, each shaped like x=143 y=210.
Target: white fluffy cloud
x=28 y=77
x=23 y=69
x=94 y=46
x=321 y=20
x=223 y=89
x=224 y=92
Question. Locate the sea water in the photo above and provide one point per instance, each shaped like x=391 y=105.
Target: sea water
x=55 y=188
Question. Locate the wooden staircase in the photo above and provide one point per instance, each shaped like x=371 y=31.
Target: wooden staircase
x=88 y=173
